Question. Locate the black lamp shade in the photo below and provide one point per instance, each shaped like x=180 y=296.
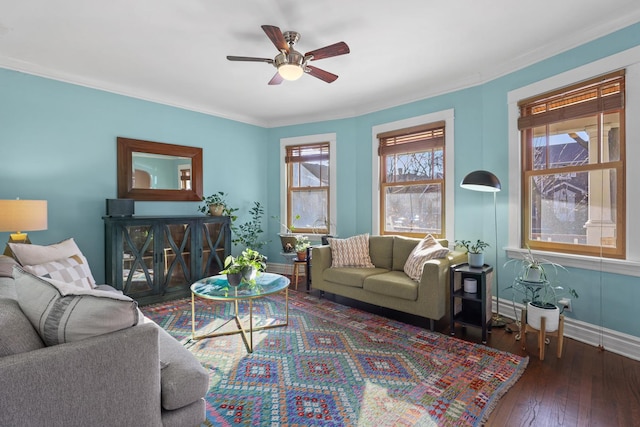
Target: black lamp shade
x=481 y=181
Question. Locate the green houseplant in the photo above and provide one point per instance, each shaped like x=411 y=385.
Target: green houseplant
x=540 y=290
x=287 y=239
x=216 y=205
x=475 y=251
x=301 y=245
x=248 y=234
x=245 y=267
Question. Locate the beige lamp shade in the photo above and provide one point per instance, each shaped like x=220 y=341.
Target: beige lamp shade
x=23 y=215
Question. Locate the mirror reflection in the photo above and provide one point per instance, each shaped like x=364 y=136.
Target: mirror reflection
x=159 y=171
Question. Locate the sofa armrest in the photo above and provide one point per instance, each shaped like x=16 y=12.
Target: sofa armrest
x=111 y=379
x=433 y=288
x=320 y=261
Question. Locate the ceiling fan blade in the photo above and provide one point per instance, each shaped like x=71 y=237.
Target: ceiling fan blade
x=321 y=74
x=276 y=37
x=276 y=80
x=335 y=49
x=250 y=59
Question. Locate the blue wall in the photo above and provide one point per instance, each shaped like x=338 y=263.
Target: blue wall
x=57 y=142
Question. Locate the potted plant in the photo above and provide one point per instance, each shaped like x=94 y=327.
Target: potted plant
x=216 y=205
x=475 y=251
x=539 y=294
x=287 y=239
x=302 y=243
x=245 y=267
x=248 y=234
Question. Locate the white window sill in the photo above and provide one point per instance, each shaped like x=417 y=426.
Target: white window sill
x=608 y=265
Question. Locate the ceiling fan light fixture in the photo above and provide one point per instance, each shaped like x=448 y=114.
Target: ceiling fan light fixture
x=290 y=71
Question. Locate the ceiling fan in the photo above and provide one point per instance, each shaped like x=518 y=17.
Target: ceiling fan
x=290 y=63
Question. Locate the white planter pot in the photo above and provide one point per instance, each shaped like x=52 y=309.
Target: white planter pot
x=533 y=275
x=552 y=316
x=476 y=260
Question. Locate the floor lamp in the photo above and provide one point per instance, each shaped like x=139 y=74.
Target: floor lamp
x=487 y=182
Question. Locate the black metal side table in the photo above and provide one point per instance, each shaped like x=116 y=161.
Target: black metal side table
x=471 y=309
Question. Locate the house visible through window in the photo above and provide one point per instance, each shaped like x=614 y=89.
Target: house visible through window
x=308 y=186
x=412 y=180
x=573 y=173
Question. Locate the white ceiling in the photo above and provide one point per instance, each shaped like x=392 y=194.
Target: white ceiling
x=174 y=51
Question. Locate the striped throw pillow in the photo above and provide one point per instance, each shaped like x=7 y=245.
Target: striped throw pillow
x=351 y=252
x=61 y=312
x=428 y=248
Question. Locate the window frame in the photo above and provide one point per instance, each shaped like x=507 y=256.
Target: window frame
x=284 y=179
x=529 y=121
x=449 y=187
x=390 y=144
x=629 y=60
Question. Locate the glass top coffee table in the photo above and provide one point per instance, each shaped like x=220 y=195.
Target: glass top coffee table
x=218 y=288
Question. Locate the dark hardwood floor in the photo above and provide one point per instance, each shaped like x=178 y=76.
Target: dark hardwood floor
x=587 y=386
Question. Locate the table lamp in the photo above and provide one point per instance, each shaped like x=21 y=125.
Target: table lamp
x=18 y=215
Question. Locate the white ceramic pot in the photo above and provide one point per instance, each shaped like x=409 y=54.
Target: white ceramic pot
x=476 y=260
x=533 y=275
x=535 y=313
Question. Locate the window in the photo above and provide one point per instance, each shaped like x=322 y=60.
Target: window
x=308 y=187
x=412 y=180
x=308 y=182
x=573 y=170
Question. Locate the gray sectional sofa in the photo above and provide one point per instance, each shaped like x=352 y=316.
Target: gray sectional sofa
x=387 y=285
x=136 y=376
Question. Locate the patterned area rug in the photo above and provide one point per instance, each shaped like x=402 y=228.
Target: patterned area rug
x=338 y=366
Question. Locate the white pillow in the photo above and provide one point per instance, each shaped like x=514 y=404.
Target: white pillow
x=428 y=248
x=62 y=312
x=73 y=270
x=35 y=255
x=351 y=252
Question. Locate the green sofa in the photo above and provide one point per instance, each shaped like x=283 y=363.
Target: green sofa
x=387 y=285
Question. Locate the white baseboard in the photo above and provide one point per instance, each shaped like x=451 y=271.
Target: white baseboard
x=613 y=341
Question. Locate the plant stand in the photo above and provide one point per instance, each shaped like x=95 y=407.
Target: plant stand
x=542 y=334
x=296 y=269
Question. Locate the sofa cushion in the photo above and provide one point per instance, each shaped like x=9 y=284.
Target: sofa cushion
x=183 y=379
x=73 y=270
x=393 y=284
x=16 y=332
x=381 y=251
x=28 y=254
x=351 y=252
x=6 y=266
x=402 y=247
x=350 y=276
x=61 y=312
x=427 y=249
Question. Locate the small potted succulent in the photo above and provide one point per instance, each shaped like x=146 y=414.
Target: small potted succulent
x=475 y=251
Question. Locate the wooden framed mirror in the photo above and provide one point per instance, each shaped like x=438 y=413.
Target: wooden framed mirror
x=157 y=171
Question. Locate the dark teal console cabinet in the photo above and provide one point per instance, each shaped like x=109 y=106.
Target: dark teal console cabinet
x=157 y=258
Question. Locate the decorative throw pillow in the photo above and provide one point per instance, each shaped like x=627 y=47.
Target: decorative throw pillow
x=33 y=255
x=73 y=270
x=6 y=266
x=428 y=248
x=61 y=312
x=351 y=252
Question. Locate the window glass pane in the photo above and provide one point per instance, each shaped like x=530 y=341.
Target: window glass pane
x=314 y=173
x=413 y=209
x=567 y=143
x=577 y=208
x=311 y=205
x=420 y=166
